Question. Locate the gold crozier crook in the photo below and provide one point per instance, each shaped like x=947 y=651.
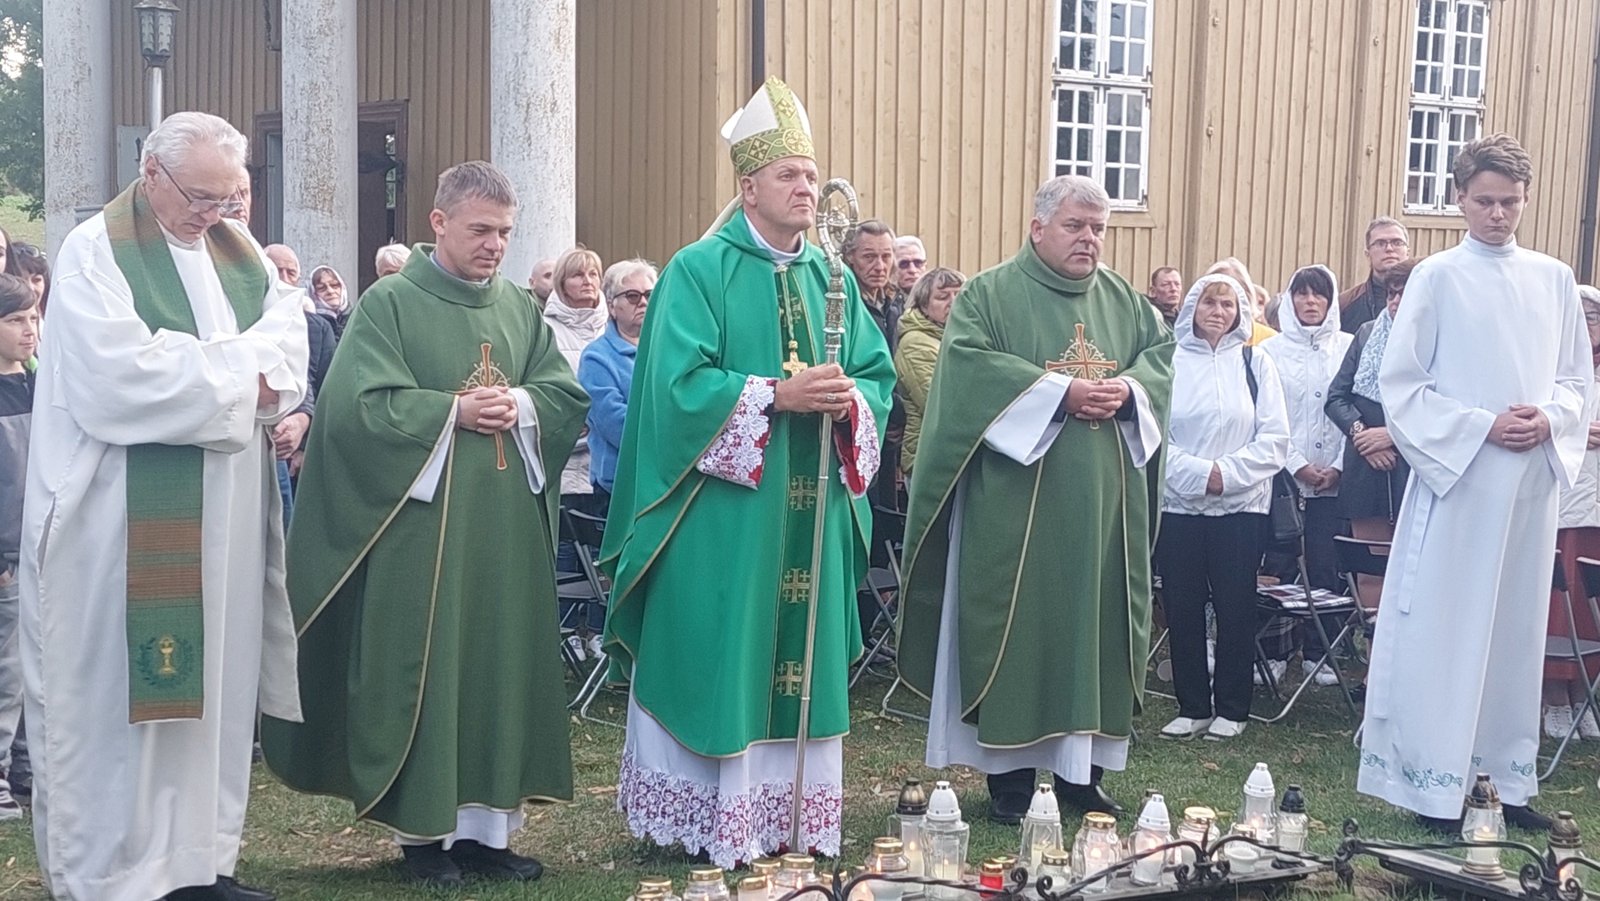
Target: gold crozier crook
x=837 y=215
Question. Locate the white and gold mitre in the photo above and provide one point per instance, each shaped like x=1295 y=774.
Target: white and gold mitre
x=772 y=126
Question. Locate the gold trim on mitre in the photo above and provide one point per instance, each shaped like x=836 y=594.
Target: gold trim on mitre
x=789 y=134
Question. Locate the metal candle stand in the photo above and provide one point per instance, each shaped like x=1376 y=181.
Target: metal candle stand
x=1538 y=880
x=1210 y=874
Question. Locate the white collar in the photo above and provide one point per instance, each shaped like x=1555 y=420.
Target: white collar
x=781 y=257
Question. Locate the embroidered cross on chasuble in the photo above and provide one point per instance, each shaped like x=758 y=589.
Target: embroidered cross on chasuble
x=1083 y=360
x=485 y=374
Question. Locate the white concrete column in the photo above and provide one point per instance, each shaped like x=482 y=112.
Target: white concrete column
x=533 y=123
x=321 y=208
x=79 y=136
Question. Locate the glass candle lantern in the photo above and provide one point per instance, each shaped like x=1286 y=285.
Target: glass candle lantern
x=1483 y=821
x=755 y=888
x=944 y=843
x=992 y=875
x=888 y=858
x=1198 y=825
x=1154 y=829
x=1096 y=848
x=1293 y=824
x=1242 y=857
x=1056 y=864
x=1041 y=828
x=768 y=867
x=795 y=871
x=657 y=887
x=910 y=812
x=1565 y=842
x=706 y=884
x=1255 y=808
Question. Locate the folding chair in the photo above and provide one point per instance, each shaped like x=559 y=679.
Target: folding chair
x=1579 y=652
x=1359 y=557
x=883 y=586
x=894 y=547
x=583 y=589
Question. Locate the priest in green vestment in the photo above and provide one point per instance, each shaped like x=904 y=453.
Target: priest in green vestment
x=422 y=556
x=709 y=538
x=1026 y=613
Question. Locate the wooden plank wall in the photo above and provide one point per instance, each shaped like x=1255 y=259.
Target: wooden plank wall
x=221 y=64
x=650 y=73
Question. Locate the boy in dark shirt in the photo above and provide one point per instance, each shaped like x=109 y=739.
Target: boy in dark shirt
x=19 y=338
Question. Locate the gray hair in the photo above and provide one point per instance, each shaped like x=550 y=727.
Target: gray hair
x=1078 y=190
x=393 y=255
x=179 y=133
x=1589 y=294
x=867 y=227
x=476 y=180
x=617 y=273
x=935 y=279
x=1385 y=222
x=909 y=241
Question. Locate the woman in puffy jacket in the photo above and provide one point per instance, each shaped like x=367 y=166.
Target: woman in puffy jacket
x=1229 y=435
x=921 y=332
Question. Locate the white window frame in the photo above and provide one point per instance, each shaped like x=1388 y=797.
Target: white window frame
x=1455 y=118
x=1105 y=86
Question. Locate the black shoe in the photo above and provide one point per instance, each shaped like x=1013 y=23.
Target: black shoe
x=1525 y=817
x=499 y=863
x=1441 y=826
x=1087 y=798
x=1009 y=795
x=226 y=888
x=430 y=865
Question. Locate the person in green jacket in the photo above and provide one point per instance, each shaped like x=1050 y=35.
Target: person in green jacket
x=921 y=330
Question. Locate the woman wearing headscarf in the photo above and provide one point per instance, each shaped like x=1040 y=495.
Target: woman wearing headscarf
x=1228 y=437
x=1577 y=535
x=330 y=298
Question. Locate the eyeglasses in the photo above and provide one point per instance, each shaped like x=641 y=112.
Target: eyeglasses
x=232 y=206
x=634 y=298
x=1388 y=244
x=1591 y=317
x=912 y=264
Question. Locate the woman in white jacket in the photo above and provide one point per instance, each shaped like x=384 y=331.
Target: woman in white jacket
x=1223 y=449
x=1308 y=351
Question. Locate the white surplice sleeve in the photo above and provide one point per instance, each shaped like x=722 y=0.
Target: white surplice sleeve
x=526 y=434
x=1569 y=408
x=125 y=385
x=1439 y=436
x=1025 y=431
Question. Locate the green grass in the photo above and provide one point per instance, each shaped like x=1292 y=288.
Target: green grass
x=14 y=219
x=309 y=848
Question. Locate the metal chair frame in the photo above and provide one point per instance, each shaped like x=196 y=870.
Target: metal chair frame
x=584 y=531
x=1581 y=650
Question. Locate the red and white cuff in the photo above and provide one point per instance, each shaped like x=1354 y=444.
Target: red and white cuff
x=739 y=452
x=856 y=439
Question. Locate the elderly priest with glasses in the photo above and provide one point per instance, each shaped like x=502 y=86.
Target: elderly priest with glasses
x=154 y=617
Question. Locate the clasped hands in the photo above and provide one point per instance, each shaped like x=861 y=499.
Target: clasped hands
x=1320 y=478
x=1093 y=399
x=1521 y=428
x=816 y=389
x=487 y=410
x=1375 y=445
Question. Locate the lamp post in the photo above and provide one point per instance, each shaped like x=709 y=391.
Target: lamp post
x=156 y=25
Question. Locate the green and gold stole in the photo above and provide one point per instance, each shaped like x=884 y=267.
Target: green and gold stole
x=165 y=624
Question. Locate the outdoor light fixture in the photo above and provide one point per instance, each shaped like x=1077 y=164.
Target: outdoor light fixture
x=157 y=23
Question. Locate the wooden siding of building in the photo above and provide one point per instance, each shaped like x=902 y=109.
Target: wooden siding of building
x=408 y=51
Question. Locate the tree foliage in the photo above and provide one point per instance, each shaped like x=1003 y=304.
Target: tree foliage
x=22 y=101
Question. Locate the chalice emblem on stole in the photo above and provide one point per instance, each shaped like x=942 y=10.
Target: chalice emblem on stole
x=487 y=375
x=1082 y=360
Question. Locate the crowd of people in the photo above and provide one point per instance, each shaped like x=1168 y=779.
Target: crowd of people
x=230 y=487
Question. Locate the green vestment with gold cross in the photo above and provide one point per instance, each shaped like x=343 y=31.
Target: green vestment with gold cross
x=1053 y=599
x=428 y=634
x=711 y=577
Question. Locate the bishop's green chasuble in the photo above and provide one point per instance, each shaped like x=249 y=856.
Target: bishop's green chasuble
x=1054 y=569
x=710 y=577
x=428 y=666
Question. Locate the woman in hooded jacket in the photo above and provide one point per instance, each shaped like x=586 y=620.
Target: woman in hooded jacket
x=1228 y=437
x=331 y=298
x=1308 y=351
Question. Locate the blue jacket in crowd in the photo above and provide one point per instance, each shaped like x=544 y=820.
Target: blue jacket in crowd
x=606 y=371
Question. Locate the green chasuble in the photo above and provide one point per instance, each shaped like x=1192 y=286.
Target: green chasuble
x=1054 y=571
x=708 y=610
x=428 y=670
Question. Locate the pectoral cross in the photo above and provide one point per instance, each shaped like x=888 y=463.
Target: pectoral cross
x=796 y=587
x=802 y=493
x=788 y=681
x=795 y=365
x=1082 y=360
x=488 y=375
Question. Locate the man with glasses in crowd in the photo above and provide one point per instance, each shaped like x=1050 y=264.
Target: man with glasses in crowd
x=910 y=261
x=1387 y=245
x=154 y=616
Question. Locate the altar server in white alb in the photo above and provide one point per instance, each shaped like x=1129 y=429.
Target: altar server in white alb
x=154 y=617
x=1484 y=380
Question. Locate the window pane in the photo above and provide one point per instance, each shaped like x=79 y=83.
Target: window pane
x=1069 y=50
x=1133 y=142
x=1069 y=15
x=1113 y=147
x=1136 y=110
x=1113 y=186
x=1136 y=64
x=1136 y=21
x=1086 y=17
x=1086 y=54
x=1130 y=183
x=1114 y=110
x=1117 y=55
x=1085 y=107
x=1119 y=20
x=1084 y=151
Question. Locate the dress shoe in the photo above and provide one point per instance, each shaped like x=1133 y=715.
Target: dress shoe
x=497 y=863
x=1525 y=817
x=1087 y=798
x=226 y=888
x=430 y=865
x=1441 y=826
x=1008 y=809
x=1186 y=727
